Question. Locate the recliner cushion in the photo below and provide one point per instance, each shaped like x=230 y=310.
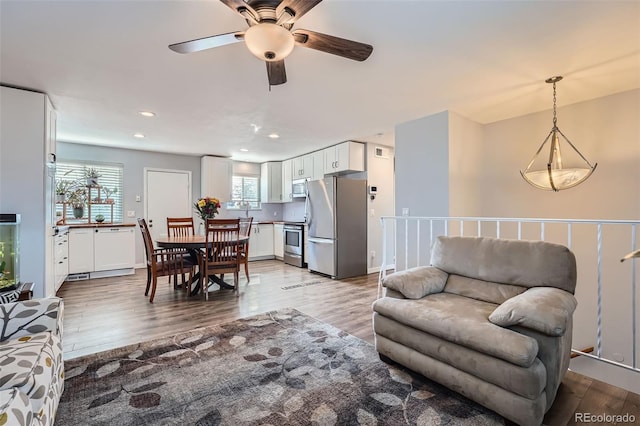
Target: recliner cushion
x=463 y=321
x=524 y=263
x=482 y=290
x=417 y=282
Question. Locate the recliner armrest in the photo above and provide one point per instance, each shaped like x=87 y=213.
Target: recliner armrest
x=415 y=283
x=544 y=309
x=24 y=318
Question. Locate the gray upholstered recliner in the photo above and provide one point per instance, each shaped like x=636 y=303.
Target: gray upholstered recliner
x=490 y=318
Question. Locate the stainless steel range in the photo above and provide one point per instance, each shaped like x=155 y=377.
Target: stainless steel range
x=294 y=243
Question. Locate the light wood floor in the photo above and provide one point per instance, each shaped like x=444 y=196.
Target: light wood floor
x=107 y=313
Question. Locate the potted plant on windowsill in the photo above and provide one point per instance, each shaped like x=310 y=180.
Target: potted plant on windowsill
x=62 y=190
x=108 y=192
x=92 y=175
x=77 y=198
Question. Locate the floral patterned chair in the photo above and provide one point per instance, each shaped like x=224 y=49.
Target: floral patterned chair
x=32 y=373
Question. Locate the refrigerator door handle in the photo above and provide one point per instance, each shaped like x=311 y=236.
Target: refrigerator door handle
x=320 y=240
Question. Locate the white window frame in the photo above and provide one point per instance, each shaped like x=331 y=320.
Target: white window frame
x=238 y=204
x=113 y=173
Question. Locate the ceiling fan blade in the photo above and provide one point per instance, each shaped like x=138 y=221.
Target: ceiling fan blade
x=241 y=8
x=298 y=7
x=207 y=42
x=276 y=72
x=334 y=45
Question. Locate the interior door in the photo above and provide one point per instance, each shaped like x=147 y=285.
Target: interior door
x=167 y=194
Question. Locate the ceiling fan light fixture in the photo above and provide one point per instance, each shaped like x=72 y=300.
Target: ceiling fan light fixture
x=269 y=42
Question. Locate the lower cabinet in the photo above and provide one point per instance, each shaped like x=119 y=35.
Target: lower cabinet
x=101 y=251
x=61 y=257
x=278 y=240
x=80 y=250
x=261 y=242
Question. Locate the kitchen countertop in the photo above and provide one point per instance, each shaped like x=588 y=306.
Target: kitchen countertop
x=96 y=225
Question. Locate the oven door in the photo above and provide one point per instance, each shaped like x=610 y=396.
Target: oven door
x=293 y=240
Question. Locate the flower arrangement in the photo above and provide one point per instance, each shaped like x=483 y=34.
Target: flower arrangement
x=207 y=208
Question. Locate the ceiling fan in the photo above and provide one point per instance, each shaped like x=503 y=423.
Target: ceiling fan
x=269 y=36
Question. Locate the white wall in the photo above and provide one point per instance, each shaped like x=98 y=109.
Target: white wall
x=380 y=173
x=605 y=130
x=422 y=166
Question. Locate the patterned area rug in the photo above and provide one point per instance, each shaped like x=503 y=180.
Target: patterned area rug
x=279 y=368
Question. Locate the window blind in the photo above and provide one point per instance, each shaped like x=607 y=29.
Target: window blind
x=110 y=184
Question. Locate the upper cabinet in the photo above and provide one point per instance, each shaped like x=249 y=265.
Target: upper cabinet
x=318 y=165
x=215 y=177
x=287 y=179
x=346 y=156
x=271 y=182
x=303 y=167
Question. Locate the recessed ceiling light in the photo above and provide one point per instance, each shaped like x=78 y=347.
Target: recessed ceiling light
x=147 y=113
x=274 y=136
x=138 y=135
x=244 y=150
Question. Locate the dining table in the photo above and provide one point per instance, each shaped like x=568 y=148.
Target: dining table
x=195 y=244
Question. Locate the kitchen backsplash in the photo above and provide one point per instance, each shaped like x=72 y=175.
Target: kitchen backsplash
x=294 y=211
x=269 y=212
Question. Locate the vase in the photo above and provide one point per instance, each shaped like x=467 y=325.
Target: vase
x=78 y=212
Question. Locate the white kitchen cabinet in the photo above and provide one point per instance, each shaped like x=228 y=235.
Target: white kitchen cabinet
x=114 y=248
x=318 y=165
x=80 y=250
x=215 y=177
x=346 y=156
x=61 y=257
x=287 y=192
x=261 y=242
x=278 y=240
x=271 y=182
x=303 y=167
x=102 y=251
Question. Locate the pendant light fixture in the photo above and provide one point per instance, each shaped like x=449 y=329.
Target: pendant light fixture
x=558 y=173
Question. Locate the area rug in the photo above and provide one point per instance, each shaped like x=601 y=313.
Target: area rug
x=279 y=368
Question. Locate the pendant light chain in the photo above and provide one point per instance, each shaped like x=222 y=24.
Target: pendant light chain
x=555 y=119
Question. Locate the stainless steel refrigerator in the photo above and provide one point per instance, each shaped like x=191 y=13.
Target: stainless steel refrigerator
x=337 y=219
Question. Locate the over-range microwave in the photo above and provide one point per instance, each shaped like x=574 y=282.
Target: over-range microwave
x=299 y=188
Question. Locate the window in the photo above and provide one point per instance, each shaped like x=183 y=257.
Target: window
x=245 y=193
x=109 y=192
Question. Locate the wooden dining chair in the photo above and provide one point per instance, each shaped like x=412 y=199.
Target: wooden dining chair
x=162 y=262
x=243 y=248
x=221 y=242
x=180 y=227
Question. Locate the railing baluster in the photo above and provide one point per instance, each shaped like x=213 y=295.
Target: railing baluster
x=479 y=229
x=497 y=229
x=446 y=228
x=519 y=230
x=633 y=297
x=418 y=242
x=569 y=237
x=406 y=244
x=462 y=228
x=599 y=319
x=542 y=231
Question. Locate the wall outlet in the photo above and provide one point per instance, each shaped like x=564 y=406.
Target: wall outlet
x=373 y=213
x=373 y=253
x=137 y=198
x=405 y=211
x=131 y=213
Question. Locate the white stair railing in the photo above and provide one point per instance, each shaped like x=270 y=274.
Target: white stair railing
x=606 y=289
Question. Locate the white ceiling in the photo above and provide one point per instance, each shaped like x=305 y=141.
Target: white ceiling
x=103 y=61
